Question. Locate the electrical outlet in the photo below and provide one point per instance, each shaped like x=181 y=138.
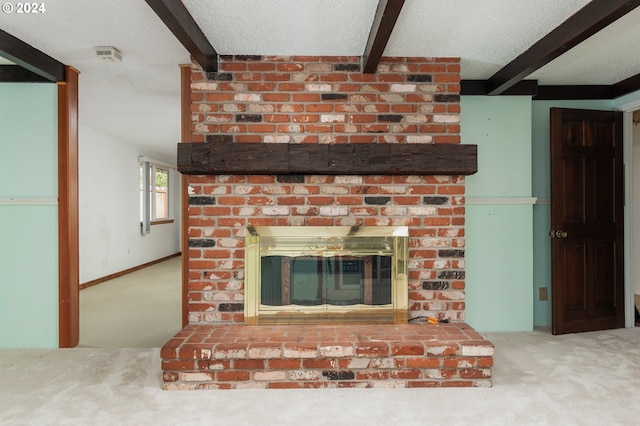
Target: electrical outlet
x=543 y=293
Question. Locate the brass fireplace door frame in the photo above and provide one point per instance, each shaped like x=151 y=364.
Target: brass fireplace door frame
x=326 y=241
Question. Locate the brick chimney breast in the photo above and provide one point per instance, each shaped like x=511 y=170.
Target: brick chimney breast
x=325 y=100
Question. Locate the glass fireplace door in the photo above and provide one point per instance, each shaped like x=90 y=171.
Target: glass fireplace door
x=326 y=281
x=325 y=274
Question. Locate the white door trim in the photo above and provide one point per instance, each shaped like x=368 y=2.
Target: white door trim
x=629 y=252
x=629 y=269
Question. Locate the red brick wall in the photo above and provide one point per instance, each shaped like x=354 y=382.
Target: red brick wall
x=326 y=100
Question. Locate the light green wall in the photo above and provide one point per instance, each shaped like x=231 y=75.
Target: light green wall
x=28 y=273
x=501 y=127
x=541 y=188
x=28 y=129
x=498 y=216
x=499 y=267
x=28 y=228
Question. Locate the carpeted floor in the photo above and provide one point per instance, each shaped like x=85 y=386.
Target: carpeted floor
x=577 y=379
x=138 y=310
x=539 y=379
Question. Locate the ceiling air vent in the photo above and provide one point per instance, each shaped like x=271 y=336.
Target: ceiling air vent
x=108 y=53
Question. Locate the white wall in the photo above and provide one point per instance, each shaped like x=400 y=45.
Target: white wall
x=110 y=238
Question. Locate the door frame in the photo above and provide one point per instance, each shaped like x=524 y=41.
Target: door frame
x=68 y=231
x=630 y=272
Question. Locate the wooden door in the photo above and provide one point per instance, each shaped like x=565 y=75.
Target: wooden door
x=587 y=201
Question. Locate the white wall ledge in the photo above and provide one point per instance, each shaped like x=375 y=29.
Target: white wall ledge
x=19 y=201
x=500 y=200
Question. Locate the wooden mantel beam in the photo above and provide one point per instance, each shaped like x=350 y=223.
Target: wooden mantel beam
x=337 y=159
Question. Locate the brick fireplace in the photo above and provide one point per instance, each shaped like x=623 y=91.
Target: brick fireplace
x=311 y=141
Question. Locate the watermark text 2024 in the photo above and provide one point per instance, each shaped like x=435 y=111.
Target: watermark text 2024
x=22 y=8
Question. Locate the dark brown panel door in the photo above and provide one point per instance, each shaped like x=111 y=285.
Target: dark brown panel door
x=587 y=201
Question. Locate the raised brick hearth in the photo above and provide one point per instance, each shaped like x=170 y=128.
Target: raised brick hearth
x=226 y=356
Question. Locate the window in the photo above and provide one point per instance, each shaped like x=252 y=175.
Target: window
x=160 y=193
x=155 y=194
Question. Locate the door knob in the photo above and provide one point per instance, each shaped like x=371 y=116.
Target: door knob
x=558 y=234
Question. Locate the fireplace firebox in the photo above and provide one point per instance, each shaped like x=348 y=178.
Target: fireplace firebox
x=320 y=274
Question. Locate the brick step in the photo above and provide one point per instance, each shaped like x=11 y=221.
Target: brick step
x=223 y=356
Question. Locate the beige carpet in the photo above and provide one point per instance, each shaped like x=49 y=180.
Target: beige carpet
x=539 y=379
x=138 y=310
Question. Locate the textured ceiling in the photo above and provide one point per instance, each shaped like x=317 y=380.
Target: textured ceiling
x=485 y=34
x=607 y=57
x=285 y=27
x=137 y=100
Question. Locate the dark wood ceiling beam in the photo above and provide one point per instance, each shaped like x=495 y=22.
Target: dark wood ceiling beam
x=480 y=88
x=626 y=86
x=581 y=92
x=383 y=23
x=574 y=92
x=30 y=58
x=583 y=24
x=178 y=19
x=17 y=74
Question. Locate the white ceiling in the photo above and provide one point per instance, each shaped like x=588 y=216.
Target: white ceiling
x=607 y=57
x=285 y=27
x=137 y=100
